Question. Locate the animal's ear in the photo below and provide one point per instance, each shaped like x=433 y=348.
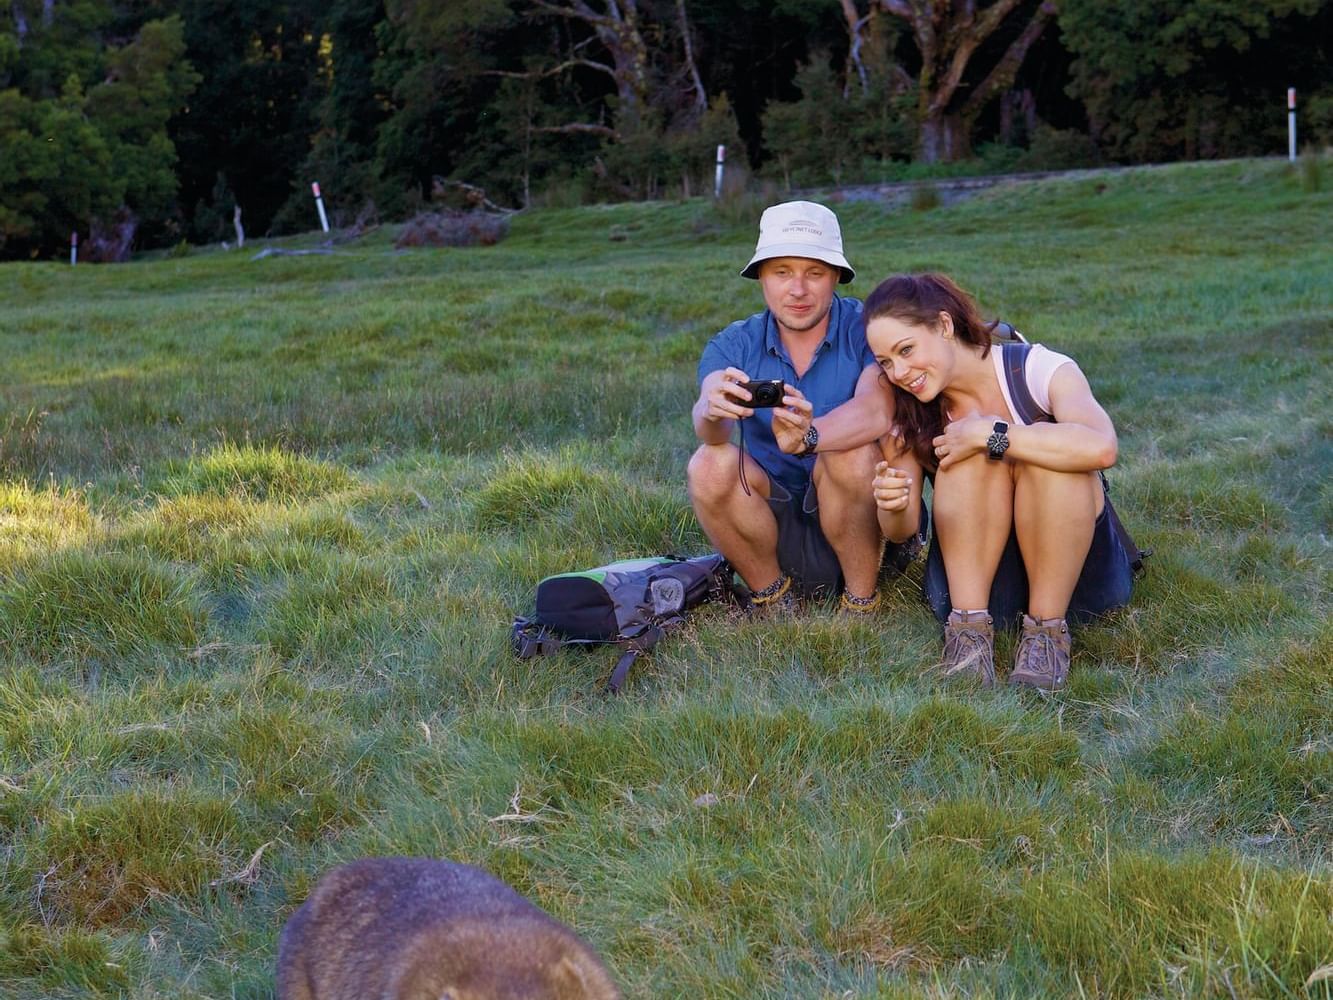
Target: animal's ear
x=567 y=979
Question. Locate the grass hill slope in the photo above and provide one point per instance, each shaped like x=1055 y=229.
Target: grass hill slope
x=263 y=524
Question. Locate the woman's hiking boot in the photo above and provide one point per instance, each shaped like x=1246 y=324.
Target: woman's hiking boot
x=1042 y=660
x=969 y=646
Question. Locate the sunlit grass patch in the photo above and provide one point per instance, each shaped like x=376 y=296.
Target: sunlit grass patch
x=301 y=775
x=1201 y=495
x=1182 y=607
x=34 y=522
x=255 y=473
x=80 y=604
x=188 y=529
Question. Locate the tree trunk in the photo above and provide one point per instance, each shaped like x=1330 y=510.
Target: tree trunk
x=856 y=35
x=945 y=138
x=20 y=22
x=617 y=28
x=948 y=36
x=696 y=82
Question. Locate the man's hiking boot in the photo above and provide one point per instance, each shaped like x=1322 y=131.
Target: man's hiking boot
x=1042 y=660
x=969 y=646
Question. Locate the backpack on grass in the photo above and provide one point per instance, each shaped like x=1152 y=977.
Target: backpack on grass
x=631 y=603
x=1015 y=349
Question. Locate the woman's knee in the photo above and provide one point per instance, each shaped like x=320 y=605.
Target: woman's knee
x=975 y=480
x=1068 y=490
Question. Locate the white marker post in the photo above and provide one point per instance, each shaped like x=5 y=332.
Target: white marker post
x=717 y=180
x=319 y=204
x=1291 y=124
x=73 y=248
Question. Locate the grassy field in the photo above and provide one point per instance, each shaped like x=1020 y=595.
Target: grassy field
x=263 y=525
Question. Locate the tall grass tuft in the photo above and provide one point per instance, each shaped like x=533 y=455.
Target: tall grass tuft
x=253 y=473
x=110 y=606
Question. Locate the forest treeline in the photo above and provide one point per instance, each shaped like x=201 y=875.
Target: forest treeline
x=155 y=119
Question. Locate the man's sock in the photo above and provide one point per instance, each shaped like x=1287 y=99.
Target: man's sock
x=858 y=605
x=775 y=591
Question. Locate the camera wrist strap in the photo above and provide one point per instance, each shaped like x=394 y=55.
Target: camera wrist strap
x=744 y=485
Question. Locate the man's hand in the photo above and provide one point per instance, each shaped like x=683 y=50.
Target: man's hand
x=791 y=420
x=963 y=438
x=724 y=397
x=893 y=488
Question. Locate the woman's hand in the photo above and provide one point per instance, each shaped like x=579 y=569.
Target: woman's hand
x=892 y=488
x=963 y=438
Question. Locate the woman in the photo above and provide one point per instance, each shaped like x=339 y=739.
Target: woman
x=1019 y=508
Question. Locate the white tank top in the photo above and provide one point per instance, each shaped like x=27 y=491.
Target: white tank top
x=1040 y=369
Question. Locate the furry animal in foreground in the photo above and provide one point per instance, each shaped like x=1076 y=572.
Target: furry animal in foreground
x=424 y=929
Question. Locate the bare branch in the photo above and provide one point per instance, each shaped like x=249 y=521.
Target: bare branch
x=1004 y=71
x=700 y=95
x=538 y=74
x=580 y=11
x=856 y=26
x=20 y=22
x=992 y=16
x=577 y=128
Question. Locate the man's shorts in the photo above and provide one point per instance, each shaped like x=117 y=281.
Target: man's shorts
x=805 y=554
x=1104 y=584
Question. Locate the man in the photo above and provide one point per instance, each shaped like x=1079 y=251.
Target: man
x=792 y=507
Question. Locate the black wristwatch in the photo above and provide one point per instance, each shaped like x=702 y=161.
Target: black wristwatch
x=998 y=442
x=811 y=442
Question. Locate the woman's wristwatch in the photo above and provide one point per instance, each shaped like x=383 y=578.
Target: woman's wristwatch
x=998 y=442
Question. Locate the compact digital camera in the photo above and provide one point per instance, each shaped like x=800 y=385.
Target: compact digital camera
x=765 y=392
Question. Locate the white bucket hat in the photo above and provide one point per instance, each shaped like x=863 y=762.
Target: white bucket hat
x=799 y=229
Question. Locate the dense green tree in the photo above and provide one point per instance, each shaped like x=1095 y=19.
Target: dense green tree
x=99 y=143
x=55 y=172
x=146 y=82
x=1193 y=78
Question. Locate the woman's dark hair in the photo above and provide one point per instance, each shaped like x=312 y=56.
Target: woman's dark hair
x=918 y=299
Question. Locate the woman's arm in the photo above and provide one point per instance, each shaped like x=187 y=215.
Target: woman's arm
x=897 y=491
x=1081 y=440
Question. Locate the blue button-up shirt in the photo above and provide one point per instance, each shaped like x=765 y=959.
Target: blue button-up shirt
x=755 y=347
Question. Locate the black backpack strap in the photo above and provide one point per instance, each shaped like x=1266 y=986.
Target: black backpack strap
x=1135 y=554
x=641 y=641
x=1015 y=358
x=531 y=639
